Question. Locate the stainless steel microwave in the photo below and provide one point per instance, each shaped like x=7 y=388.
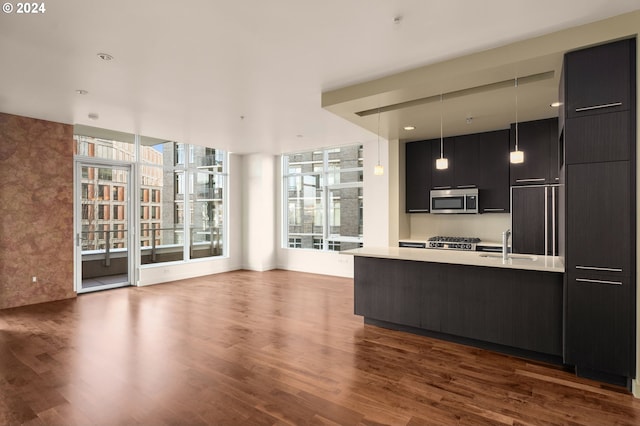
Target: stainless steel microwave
x=454 y=200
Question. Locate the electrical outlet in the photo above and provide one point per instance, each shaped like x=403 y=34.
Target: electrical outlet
x=34 y=279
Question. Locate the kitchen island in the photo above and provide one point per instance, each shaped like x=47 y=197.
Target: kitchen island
x=475 y=298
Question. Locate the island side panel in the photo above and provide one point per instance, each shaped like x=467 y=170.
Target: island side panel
x=400 y=292
x=512 y=307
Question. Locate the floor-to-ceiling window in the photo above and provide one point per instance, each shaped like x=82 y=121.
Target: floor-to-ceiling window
x=182 y=208
x=323 y=199
x=172 y=194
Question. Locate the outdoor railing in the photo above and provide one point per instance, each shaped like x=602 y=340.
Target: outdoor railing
x=199 y=238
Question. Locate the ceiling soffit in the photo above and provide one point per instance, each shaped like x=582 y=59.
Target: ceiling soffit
x=480 y=86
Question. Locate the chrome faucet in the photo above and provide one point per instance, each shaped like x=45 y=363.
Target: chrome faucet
x=505 y=244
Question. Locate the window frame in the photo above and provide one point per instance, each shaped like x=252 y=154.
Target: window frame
x=327 y=174
x=185 y=172
x=94 y=148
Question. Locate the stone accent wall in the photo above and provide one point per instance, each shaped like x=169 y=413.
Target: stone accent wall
x=36 y=211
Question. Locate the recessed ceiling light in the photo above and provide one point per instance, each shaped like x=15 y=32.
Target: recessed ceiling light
x=105 y=56
x=81 y=92
x=409 y=127
x=555 y=104
x=93 y=116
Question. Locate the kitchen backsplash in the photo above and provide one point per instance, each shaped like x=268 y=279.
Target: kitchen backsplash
x=487 y=227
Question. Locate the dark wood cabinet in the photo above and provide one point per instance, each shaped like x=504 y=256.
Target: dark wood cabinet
x=600 y=79
x=417 y=176
x=443 y=179
x=493 y=173
x=477 y=160
x=600 y=210
x=539 y=142
x=534 y=195
x=534 y=223
x=433 y=295
x=598 y=216
x=467 y=164
x=517 y=308
x=522 y=309
x=601 y=311
x=602 y=137
x=388 y=290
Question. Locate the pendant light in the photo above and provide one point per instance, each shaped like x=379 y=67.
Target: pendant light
x=441 y=163
x=379 y=169
x=516 y=156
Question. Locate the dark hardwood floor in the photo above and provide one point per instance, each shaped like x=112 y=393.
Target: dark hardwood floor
x=266 y=348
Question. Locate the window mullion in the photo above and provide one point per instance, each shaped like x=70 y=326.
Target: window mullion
x=325 y=201
x=341 y=173
x=188 y=189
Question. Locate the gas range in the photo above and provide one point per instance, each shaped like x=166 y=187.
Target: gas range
x=453 y=243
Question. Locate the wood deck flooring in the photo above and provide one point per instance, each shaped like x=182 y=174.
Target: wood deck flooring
x=268 y=348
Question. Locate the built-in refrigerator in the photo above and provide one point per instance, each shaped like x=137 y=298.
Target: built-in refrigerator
x=534 y=219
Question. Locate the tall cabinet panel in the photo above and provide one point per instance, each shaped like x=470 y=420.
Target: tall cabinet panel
x=598 y=216
x=417 y=176
x=599 y=174
x=493 y=175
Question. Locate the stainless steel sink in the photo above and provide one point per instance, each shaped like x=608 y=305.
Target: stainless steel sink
x=510 y=256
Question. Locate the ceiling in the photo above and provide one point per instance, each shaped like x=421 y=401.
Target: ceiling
x=248 y=75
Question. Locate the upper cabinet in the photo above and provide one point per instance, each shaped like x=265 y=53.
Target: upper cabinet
x=539 y=142
x=478 y=160
x=598 y=137
x=598 y=79
x=467 y=166
x=493 y=173
x=417 y=176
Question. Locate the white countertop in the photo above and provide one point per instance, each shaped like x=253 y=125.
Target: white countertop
x=474 y=258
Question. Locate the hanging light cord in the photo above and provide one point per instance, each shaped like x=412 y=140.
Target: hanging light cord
x=378 y=136
x=516 y=113
x=441 y=139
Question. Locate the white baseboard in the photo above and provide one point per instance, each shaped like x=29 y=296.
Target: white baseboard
x=260 y=269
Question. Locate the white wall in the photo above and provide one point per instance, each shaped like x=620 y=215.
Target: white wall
x=375 y=221
x=399 y=225
x=259 y=197
x=376 y=195
x=165 y=272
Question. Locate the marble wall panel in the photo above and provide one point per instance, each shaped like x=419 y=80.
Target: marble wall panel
x=36 y=211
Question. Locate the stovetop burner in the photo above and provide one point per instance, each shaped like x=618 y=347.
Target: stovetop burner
x=453 y=243
x=456 y=239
